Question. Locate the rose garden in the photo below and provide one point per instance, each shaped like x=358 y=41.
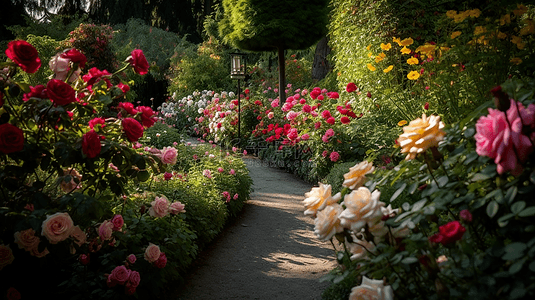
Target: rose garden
x=419 y=141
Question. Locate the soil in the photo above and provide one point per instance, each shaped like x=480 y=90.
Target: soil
x=269 y=251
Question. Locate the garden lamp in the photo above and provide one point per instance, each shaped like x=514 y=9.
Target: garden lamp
x=237 y=71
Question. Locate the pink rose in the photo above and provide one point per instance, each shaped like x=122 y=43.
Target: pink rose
x=57 y=227
x=465 y=215
x=232 y=172
x=176 y=207
x=334 y=156
x=105 y=230
x=161 y=262
x=236 y=196
x=152 y=253
x=26 y=239
x=134 y=279
x=84 y=259
x=6 y=256
x=117 y=222
x=131 y=258
x=60 y=67
x=119 y=275
x=168 y=155
x=160 y=207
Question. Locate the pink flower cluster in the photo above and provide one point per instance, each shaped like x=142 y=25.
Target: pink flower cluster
x=507 y=137
x=123 y=276
x=160 y=207
x=328 y=134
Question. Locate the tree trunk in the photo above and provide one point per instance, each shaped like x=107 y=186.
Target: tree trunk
x=321 y=66
x=282 y=74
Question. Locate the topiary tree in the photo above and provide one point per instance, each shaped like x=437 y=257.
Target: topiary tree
x=274 y=25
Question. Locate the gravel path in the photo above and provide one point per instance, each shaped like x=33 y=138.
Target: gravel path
x=269 y=251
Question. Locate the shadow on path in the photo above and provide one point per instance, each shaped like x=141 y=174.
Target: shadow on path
x=269 y=251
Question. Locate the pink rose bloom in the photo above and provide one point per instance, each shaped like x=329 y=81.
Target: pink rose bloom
x=131 y=258
x=152 y=253
x=317 y=125
x=6 y=256
x=232 y=172
x=236 y=196
x=465 y=215
x=168 y=155
x=161 y=262
x=275 y=103
x=176 y=208
x=105 y=230
x=159 y=207
x=207 y=173
x=117 y=222
x=244 y=152
x=334 y=156
x=119 y=275
x=195 y=156
x=134 y=279
x=226 y=195
x=497 y=140
x=305 y=137
x=57 y=227
x=292 y=115
x=60 y=66
x=325 y=114
x=331 y=120
x=324 y=153
x=270 y=115
x=307 y=108
x=325 y=139
x=329 y=132
x=79 y=236
x=220 y=170
x=27 y=240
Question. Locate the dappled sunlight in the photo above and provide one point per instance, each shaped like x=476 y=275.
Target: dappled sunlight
x=289 y=265
x=279 y=201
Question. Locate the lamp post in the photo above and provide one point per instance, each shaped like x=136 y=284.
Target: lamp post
x=237 y=71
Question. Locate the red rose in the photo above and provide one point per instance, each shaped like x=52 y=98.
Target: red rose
x=24 y=55
x=331 y=120
x=38 y=91
x=60 y=93
x=133 y=129
x=451 y=232
x=146 y=116
x=94 y=75
x=333 y=95
x=128 y=107
x=91 y=144
x=161 y=262
x=11 y=139
x=351 y=87
x=13 y=294
x=125 y=88
x=139 y=62
x=96 y=121
x=75 y=56
x=344 y=120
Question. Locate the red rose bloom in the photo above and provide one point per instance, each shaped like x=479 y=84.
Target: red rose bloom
x=139 y=62
x=161 y=262
x=133 y=129
x=125 y=88
x=331 y=120
x=96 y=121
x=146 y=116
x=94 y=75
x=351 y=87
x=344 y=120
x=91 y=144
x=75 y=56
x=38 y=91
x=24 y=55
x=11 y=139
x=60 y=92
x=448 y=233
x=128 y=107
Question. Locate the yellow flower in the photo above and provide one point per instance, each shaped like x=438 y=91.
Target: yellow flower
x=369 y=47
x=451 y=14
x=516 y=39
x=505 y=19
x=521 y=46
x=356 y=177
x=380 y=57
x=474 y=13
x=402 y=122
x=388 y=69
x=516 y=60
x=501 y=35
x=412 y=61
x=427 y=49
x=371 y=67
x=455 y=34
x=397 y=40
x=413 y=75
x=521 y=9
x=405 y=50
x=407 y=42
x=480 y=30
x=370 y=54
x=529 y=28
x=461 y=16
x=420 y=135
x=386 y=47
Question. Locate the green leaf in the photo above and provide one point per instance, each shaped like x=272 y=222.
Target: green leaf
x=481 y=177
x=528 y=212
x=418 y=205
x=511 y=194
x=469 y=132
x=143 y=175
x=532 y=266
x=409 y=260
x=492 y=208
x=398 y=192
x=514 y=251
x=518 y=207
x=442 y=181
x=517 y=266
x=412 y=188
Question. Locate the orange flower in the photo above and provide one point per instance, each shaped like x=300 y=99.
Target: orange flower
x=413 y=75
x=412 y=61
x=388 y=69
x=405 y=50
x=420 y=135
x=386 y=47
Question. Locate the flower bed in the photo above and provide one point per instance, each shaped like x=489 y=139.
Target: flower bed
x=87 y=210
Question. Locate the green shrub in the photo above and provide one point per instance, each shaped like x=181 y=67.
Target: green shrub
x=162 y=135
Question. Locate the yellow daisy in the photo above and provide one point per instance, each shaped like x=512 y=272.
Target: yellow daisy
x=412 y=61
x=388 y=69
x=371 y=67
x=386 y=47
x=405 y=50
x=451 y=14
x=455 y=34
x=407 y=42
x=397 y=40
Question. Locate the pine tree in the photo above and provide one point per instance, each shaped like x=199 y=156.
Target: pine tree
x=266 y=25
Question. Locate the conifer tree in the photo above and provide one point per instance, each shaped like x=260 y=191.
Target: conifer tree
x=267 y=25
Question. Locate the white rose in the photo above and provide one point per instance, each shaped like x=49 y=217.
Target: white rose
x=371 y=289
x=318 y=198
x=327 y=223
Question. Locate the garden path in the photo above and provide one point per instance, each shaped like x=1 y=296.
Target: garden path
x=269 y=251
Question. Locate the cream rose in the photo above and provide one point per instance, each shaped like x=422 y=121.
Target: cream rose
x=371 y=289
x=152 y=253
x=360 y=248
x=362 y=207
x=160 y=207
x=57 y=227
x=26 y=239
x=60 y=66
x=356 y=177
x=318 y=198
x=79 y=236
x=327 y=223
x=420 y=135
x=6 y=256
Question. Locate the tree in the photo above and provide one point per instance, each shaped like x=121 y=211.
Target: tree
x=266 y=25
